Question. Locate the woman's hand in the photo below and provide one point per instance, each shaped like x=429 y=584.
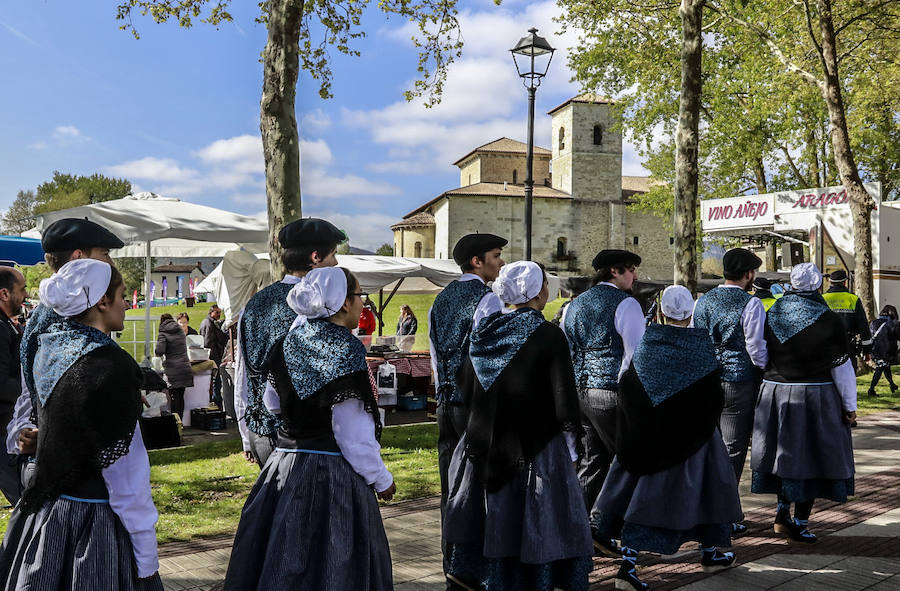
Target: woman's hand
x=850 y=417
x=249 y=457
x=388 y=493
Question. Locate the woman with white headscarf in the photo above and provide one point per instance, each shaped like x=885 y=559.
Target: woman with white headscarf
x=802 y=449
x=671 y=481
x=515 y=515
x=88 y=520
x=311 y=521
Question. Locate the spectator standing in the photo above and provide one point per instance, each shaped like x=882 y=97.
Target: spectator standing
x=215 y=340
x=408 y=324
x=885 y=332
x=172 y=343
x=184 y=323
x=367 y=320
x=12 y=294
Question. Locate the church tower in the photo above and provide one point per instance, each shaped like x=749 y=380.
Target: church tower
x=587 y=163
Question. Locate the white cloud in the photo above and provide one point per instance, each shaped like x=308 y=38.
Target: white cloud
x=315 y=121
x=66 y=132
x=317 y=183
x=165 y=170
x=367 y=230
x=314 y=152
x=483 y=97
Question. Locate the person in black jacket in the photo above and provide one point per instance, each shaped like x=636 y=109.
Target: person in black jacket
x=12 y=295
x=849 y=308
x=885 y=332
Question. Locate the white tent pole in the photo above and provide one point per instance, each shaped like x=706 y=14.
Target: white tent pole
x=147 y=297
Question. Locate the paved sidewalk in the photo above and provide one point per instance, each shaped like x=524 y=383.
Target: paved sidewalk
x=859 y=545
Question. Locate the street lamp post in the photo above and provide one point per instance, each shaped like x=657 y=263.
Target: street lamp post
x=528 y=55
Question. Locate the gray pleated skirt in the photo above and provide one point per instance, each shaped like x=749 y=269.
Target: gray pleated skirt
x=310 y=523
x=531 y=534
x=696 y=500
x=70 y=545
x=801 y=447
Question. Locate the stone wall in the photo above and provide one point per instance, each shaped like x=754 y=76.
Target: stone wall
x=499 y=168
x=653 y=245
x=581 y=168
x=504 y=216
x=405 y=240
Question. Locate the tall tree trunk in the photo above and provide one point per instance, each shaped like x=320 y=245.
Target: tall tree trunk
x=813 y=148
x=861 y=203
x=278 y=122
x=687 y=143
x=759 y=173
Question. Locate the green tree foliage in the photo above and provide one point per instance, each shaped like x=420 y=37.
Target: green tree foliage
x=19 y=216
x=386 y=250
x=68 y=190
x=344 y=247
x=132 y=269
x=33 y=276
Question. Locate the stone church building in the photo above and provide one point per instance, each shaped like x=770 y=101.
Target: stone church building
x=580 y=199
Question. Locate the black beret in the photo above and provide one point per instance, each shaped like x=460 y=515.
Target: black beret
x=740 y=260
x=472 y=245
x=838 y=276
x=310 y=232
x=762 y=283
x=73 y=233
x=614 y=256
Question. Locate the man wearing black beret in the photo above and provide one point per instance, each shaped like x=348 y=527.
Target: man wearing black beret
x=736 y=324
x=308 y=243
x=603 y=326
x=849 y=308
x=64 y=240
x=456 y=310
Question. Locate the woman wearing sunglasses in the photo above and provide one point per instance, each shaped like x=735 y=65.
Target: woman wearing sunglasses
x=311 y=521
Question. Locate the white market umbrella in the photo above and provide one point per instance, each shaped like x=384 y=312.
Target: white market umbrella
x=146 y=217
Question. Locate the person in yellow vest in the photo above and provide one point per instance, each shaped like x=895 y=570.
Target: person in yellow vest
x=850 y=310
x=762 y=289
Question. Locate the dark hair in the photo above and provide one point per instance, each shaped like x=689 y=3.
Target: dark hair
x=731 y=276
x=115 y=281
x=467 y=266
x=183 y=315
x=605 y=273
x=165 y=317
x=298 y=258
x=8 y=278
x=408 y=309
x=352 y=282
x=889 y=310
x=61 y=257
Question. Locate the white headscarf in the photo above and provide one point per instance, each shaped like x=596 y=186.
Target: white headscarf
x=806 y=277
x=677 y=302
x=519 y=282
x=76 y=287
x=320 y=294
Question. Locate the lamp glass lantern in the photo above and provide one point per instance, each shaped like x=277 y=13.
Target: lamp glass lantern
x=532 y=56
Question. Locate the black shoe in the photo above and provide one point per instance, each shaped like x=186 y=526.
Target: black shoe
x=627 y=579
x=801 y=535
x=893 y=388
x=606 y=547
x=783 y=522
x=738 y=529
x=716 y=560
x=872 y=393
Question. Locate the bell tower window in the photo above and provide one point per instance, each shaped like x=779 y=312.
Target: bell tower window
x=562 y=139
x=598 y=135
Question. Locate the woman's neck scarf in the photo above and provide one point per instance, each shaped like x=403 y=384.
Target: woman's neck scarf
x=64 y=343
x=497 y=339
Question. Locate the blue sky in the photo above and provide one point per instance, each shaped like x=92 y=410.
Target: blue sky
x=177 y=112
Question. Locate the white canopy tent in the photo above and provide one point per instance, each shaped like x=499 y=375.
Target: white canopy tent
x=146 y=217
x=240 y=275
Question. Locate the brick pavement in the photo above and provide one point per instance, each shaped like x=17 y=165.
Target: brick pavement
x=859 y=545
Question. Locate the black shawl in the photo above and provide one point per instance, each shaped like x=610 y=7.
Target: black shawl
x=86 y=425
x=651 y=439
x=532 y=400
x=811 y=353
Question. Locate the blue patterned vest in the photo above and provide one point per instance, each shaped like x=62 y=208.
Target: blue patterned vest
x=597 y=347
x=40 y=320
x=719 y=313
x=266 y=319
x=451 y=323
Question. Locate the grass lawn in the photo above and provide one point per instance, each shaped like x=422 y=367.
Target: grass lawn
x=884 y=401
x=200 y=490
x=134 y=329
